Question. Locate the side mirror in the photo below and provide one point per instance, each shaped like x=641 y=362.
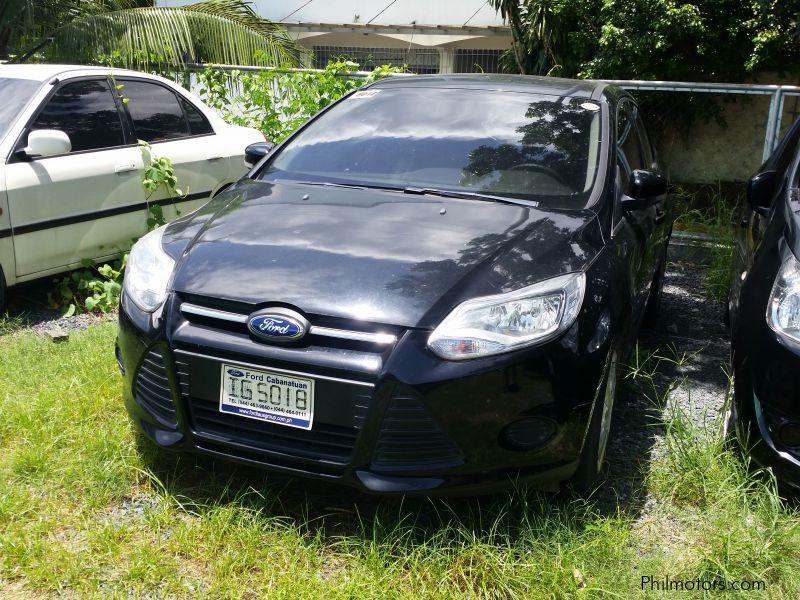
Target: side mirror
x=760 y=190
x=255 y=152
x=47 y=142
x=644 y=189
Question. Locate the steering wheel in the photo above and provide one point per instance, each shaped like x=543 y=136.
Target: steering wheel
x=552 y=173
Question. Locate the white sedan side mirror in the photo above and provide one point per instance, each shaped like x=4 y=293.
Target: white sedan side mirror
x=47 y=142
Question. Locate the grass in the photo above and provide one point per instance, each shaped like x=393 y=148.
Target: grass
x=711 y=210
x=86 y=511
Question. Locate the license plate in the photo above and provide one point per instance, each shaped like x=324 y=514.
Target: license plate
x=267 y=396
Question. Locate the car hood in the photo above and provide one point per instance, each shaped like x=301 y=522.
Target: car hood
x=380 y=256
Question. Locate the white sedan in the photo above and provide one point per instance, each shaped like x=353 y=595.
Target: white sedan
x=71 y=170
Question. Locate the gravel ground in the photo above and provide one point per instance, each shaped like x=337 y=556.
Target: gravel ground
x=690 y=326
x=28 y=304
x=694 y=340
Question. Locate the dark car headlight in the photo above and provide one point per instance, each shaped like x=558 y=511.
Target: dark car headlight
x=783 y=309
x=505 y=322
x=148 y=271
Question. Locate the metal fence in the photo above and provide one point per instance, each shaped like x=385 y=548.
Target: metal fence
x=421 y=61
x=777 y=93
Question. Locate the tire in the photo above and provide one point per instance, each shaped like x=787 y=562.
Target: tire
x=593 y=454
x=2 y=293
x=650 y=319
x=730 y=414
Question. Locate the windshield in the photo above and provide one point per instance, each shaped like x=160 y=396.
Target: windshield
x=14 y=94
x=515 y=145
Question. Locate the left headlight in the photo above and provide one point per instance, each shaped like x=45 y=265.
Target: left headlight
x=497 y=324
x=783 y=309
x=148 y=271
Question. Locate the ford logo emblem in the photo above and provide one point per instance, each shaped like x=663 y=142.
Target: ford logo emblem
x=235 y=373
x=278 y=325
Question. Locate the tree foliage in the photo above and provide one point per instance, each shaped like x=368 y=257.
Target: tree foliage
x=136 y=34
x=702 y=40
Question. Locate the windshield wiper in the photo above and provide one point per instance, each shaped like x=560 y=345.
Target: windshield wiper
x=351 y=186
x=419 y=191
x=469 y=196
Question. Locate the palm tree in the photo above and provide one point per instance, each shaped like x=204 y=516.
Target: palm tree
x=537 y=35
x=513 y=12
x=136 y=34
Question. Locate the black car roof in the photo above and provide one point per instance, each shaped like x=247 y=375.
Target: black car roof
x=579 y=88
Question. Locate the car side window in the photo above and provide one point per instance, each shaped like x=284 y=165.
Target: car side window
x=648 y=156
x=629 y=151
x=790 y=145
x=198 y=124
x=155 y=110
x=85 y=110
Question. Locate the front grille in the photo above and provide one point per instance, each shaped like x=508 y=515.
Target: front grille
x=325 y=444
x=152 y=389
x=410 y=439
x=328 y=332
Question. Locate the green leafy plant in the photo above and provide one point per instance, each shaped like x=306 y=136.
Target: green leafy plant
x=159 y=174
x=278 y=102
x=93 y=288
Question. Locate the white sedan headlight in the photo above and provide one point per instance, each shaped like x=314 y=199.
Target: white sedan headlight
x=148 y=271
x=783 y=309
x=506 y=322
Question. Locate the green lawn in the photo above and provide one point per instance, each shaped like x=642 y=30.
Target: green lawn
x=84 y=511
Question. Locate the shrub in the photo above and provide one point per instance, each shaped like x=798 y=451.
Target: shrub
x=278 y=102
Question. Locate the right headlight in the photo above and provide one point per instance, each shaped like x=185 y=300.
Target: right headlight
x=783 y=309
x=496 y=324
x=148 y=271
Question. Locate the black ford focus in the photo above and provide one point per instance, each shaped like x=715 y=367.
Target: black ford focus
x=427 y=288
x=764 y=307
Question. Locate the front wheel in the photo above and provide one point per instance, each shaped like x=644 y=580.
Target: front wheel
x=730 y=415
x=593 y=454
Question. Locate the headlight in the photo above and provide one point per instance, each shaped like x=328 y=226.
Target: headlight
x=506 y=322
x=783 y=310
x=148 y=272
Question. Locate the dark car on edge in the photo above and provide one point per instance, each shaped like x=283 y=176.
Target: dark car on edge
x=764 y=312
x=427 y=288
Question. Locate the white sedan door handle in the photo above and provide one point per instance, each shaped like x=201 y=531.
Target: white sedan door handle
x=213 y=156
x=125 y=168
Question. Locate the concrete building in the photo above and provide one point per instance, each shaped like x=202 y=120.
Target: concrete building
x=445 y=36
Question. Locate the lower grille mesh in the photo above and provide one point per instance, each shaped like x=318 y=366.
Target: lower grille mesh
x=152 y=390
x=410 y=438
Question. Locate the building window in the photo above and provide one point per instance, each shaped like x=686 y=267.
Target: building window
x=419 y=60
x=477 y=61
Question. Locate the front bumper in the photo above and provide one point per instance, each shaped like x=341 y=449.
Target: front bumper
x=766 y=369
x=767 y=396
x=391 y=420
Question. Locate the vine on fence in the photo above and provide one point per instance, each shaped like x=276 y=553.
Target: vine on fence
x=278 y=102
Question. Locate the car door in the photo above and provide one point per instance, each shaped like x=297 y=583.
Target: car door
x=638 y=225
x=73 y=206
x=177 y=130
